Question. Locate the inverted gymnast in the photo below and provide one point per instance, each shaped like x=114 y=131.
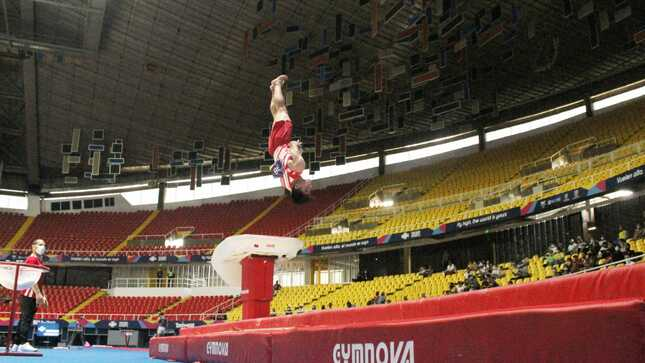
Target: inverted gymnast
x=287 y=154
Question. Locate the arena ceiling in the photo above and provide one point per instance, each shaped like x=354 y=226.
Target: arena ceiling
x=165 y=73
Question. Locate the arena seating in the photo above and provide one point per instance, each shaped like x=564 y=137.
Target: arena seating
x=82 y=232
x=125 y=307
x=493 y=167
x=196 y=305
x=588 y=303
x=412 y=286
x=292 y=297
x=9 y=225
x=285 y=218
x=637 y=245
x=225 y=218
x=61 y=300
x=161 y=250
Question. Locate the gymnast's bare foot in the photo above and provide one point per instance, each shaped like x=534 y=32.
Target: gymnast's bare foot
x=280 y=79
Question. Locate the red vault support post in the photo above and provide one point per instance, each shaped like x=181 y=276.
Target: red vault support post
x=257 y=286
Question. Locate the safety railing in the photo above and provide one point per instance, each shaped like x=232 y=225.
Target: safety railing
x=580 y=166
x=635 y=259
x=298 y=230
x=221 y=308
x=125 y=282
x=590 y=179
x=165 y=251
x=194 y=237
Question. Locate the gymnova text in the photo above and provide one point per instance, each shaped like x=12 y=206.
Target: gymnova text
x=383 y=352
x=217 y=349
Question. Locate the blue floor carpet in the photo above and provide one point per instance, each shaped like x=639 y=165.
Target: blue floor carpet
x=86 y=355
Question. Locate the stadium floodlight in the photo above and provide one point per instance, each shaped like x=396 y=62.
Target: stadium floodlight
x=13 y=191
x=429 y=151
x=619 y=98
x=535 y=124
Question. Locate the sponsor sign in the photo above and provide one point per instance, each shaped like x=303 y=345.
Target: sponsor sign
x=48 y=329
x=218 y=349
x=392 y=352
x=483 y=220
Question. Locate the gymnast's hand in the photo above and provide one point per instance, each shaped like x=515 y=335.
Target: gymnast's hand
x=42 y=300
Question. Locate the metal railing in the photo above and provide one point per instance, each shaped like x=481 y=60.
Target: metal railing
x=221 y=308
x=607 y=265
x=165 y=251
x=590 y=179
x=298 y=230
x=125 y=282
x=196 y=237
x=577 y=167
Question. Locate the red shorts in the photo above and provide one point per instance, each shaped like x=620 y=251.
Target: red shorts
x=280 y=134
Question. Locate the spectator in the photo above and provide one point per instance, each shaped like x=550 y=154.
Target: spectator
x=171 y=278
x=313 y=307
x=638 y=232
x=288 y=310
x=330 y=306
x=425 y=271
x=423 y=295
x=380 y=299
x=277 y=286
x=349 y=304
x=163 y=325
x=451 y=269
x=622 y=233
x=374 y=299
x=405 y=298
x=273 y=313
x=159 y=277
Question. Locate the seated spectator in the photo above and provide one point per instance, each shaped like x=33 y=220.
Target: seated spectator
x=330 y=306
x=381 y=298
x=425 y=271
x=423 y=295
x=405 y=298
x=472 y=283
x=451 y=269
x=277 y=286
x=313 y=307
x=461 y=287
x=273 y=313
x=288 y=310
x=349 y=304
x=374 y=299
x=622 y=233
x=496 y=272
x=638 y=232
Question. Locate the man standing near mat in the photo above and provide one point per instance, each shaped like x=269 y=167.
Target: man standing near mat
x=287 y=154
x=29 y=301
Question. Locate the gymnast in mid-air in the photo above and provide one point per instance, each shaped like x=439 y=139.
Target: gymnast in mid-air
x=287 y=154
